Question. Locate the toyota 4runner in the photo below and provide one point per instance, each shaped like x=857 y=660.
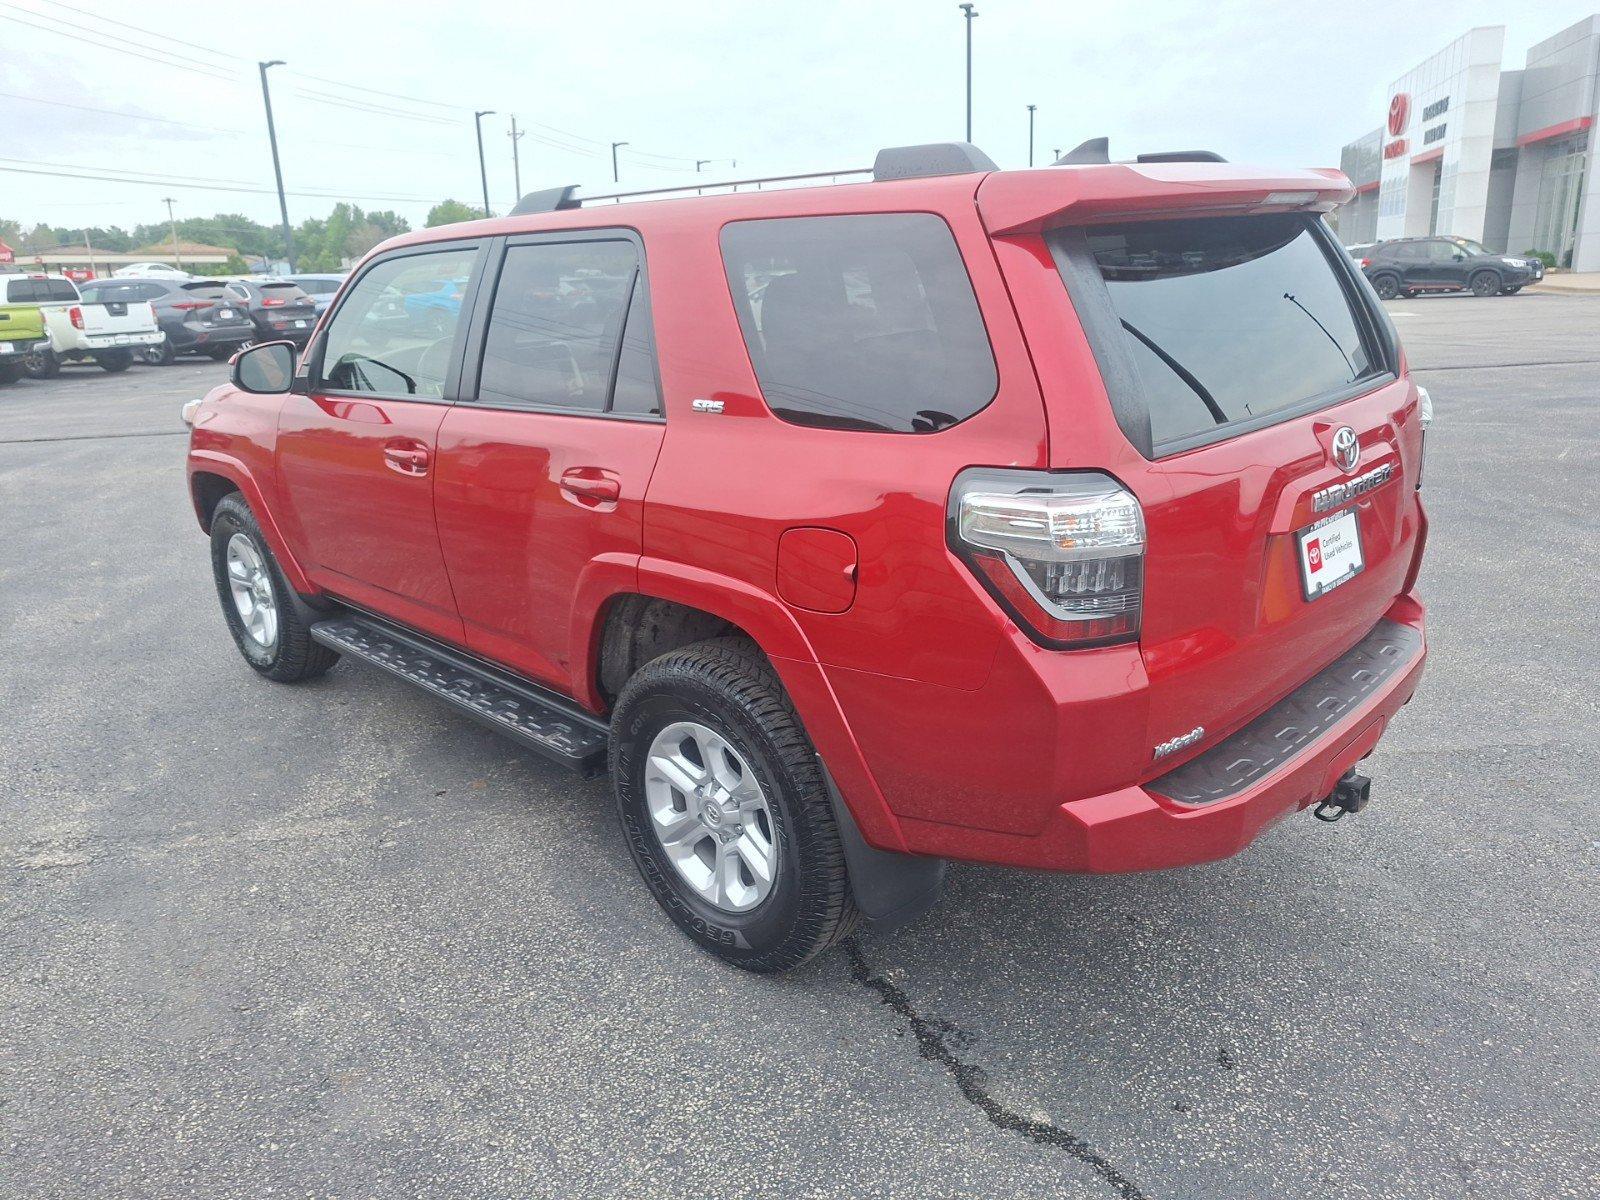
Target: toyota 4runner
x=1062 y=518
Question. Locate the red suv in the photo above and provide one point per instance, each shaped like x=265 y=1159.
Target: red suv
x=1061 y=518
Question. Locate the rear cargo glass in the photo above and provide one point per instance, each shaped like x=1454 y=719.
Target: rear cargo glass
x=1231 y=320
x=864 y=322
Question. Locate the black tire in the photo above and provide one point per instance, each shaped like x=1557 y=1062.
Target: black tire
x=114 y=361
x=222 y=353
x=41 y=364
x=1484 y=283
x=293 y=656
x=1387 y=286
x=159 y=355
x=1407 y=294
x=727 y=685
x=10 y=372
x=1511 y=291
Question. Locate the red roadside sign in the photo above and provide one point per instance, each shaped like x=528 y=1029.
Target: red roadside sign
x=6 y=253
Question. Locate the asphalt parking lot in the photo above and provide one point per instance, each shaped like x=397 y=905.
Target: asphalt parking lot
x=336 y=941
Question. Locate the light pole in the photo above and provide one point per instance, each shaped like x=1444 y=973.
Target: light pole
x=483 y=171
x=277 y=168
x=516 y=164
x=969 y=12
x=615 y=174
x=1031 y=107
x=173 y=225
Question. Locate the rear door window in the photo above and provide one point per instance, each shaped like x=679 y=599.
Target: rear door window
x=21 y=291
x=1231 y=321
x=555 y=331
x=862 y=322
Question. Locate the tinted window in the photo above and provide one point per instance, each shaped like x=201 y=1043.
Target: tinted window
x=1229 y=319
x=860 y=322
x=121 y=291
x=555 y=323
x=208 y=291
x=1444 y=252
x=21 y=291
x=57 y=291
x=637 y=389
x=394 y=332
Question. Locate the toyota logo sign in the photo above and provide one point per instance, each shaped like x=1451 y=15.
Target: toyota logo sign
x=1399 y=113
x=1346 y=449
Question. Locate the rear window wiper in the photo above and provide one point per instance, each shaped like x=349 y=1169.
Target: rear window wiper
x=1183 y=373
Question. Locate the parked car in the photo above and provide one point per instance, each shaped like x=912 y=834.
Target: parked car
x=22 y=334
x=1063 y=518
x=436 y=309
x=108 y=333
x=147 y=270
x=279 y=308
x=321 y=288
x=198 y=316
x=1407 y=266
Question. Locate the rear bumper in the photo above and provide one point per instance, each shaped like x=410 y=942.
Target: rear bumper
x=118 y=341
x=20 y=347
x=1233 y=791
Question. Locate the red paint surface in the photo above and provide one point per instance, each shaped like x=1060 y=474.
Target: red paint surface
x=1576 y=125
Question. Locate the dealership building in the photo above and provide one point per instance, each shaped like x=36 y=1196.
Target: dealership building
x=1506 y=157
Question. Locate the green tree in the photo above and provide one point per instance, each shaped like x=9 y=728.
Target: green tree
x=448 y=212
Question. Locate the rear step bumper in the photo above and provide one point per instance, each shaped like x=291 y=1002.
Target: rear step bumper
x=1291 y=757
x=539 y=720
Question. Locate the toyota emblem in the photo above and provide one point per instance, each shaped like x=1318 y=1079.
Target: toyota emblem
x=1346 y=449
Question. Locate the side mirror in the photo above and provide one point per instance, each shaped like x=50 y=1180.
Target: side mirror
x=264 y=369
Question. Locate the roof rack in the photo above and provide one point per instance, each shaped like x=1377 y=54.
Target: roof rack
x=894 y=162
x=1097 y=152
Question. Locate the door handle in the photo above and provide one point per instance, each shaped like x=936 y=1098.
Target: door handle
x=406 y=459
x=591 y=484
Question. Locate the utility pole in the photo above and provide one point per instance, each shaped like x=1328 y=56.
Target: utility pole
x=483 y=171
x=90 y=250
x=516 y=165
x=173 y=225
x=616 y=176
x=1054 y=155
x=277 y=168
x=969 y=12
x=1031 y=107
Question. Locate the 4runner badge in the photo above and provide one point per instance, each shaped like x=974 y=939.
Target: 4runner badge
x=1172 y=745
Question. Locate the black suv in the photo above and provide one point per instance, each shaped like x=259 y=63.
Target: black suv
x=282 y=312
x=1406 y=266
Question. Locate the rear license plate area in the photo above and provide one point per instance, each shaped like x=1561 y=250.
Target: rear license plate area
x=1330 y=553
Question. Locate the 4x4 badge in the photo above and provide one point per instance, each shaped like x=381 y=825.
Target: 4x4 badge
x=1346 y=449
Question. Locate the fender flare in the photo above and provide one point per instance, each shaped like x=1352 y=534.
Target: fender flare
x=211 y=462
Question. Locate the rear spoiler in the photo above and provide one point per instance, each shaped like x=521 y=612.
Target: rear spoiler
x=1032 y=201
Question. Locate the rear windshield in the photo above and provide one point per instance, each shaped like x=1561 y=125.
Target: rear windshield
x=285 y=291
x=1230 y=320
x=118 y=292
x=211 y=291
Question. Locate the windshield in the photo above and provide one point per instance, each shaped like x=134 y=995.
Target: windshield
x=1470 y=246
x=1229 y=319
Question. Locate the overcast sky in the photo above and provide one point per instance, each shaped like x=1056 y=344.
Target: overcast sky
x=781 y=87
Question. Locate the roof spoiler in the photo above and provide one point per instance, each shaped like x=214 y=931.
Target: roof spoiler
x=926 y=161
x=1032 y=201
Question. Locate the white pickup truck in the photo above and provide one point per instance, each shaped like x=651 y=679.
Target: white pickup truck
x=110 y=333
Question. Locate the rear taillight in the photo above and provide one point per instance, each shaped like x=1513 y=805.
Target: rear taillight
x=1062 y=552
x=190 y=305
x=272 y=302
x=76 y=316
x=1365 y=263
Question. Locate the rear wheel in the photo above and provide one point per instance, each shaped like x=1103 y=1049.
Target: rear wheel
x=1387 y=286
x=10 y=372
x=114 y=360
x=41 y=364
x=1485 y=283
x=223 y=353
x=724 y=807
x=269 y=623
x=159 y=355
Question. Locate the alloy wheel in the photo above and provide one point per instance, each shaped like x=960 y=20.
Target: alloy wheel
x=251 y=585
x=711 y=816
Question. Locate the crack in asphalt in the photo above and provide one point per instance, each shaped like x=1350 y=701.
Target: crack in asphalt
x=933 y=1044
x=1554 y=362
x=94 y=437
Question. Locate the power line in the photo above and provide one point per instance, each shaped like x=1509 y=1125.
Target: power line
x=162 y=62
x=362 y=106
x=89 y=173
x=167 y=37
x=111 y=112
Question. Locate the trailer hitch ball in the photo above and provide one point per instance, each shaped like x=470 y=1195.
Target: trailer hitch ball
x=1349 y=795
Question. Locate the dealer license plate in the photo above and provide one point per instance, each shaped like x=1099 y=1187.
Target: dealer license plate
x=299 y=324
x=226 y=314
x=5 y=347
x=1330 y=553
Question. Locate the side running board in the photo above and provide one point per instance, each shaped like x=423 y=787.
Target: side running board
x=540 y=720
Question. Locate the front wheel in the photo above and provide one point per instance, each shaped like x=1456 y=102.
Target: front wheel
x=114 y=360
x=268 y=621
x=1511 y=291
x=725 y=810
x=1485 y=283
x=1387 y=287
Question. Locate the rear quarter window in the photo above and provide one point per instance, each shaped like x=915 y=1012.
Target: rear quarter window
x=1231 y=320
x=863 y=322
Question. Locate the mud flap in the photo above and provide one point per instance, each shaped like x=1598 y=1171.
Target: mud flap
x=890 y=888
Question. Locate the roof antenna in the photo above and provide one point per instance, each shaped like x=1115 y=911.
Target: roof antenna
x=1094 y=152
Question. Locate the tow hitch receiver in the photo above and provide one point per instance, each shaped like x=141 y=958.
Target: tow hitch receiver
x=1349 y=795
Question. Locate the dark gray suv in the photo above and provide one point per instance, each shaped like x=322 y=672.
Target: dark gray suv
x=1406 y=266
